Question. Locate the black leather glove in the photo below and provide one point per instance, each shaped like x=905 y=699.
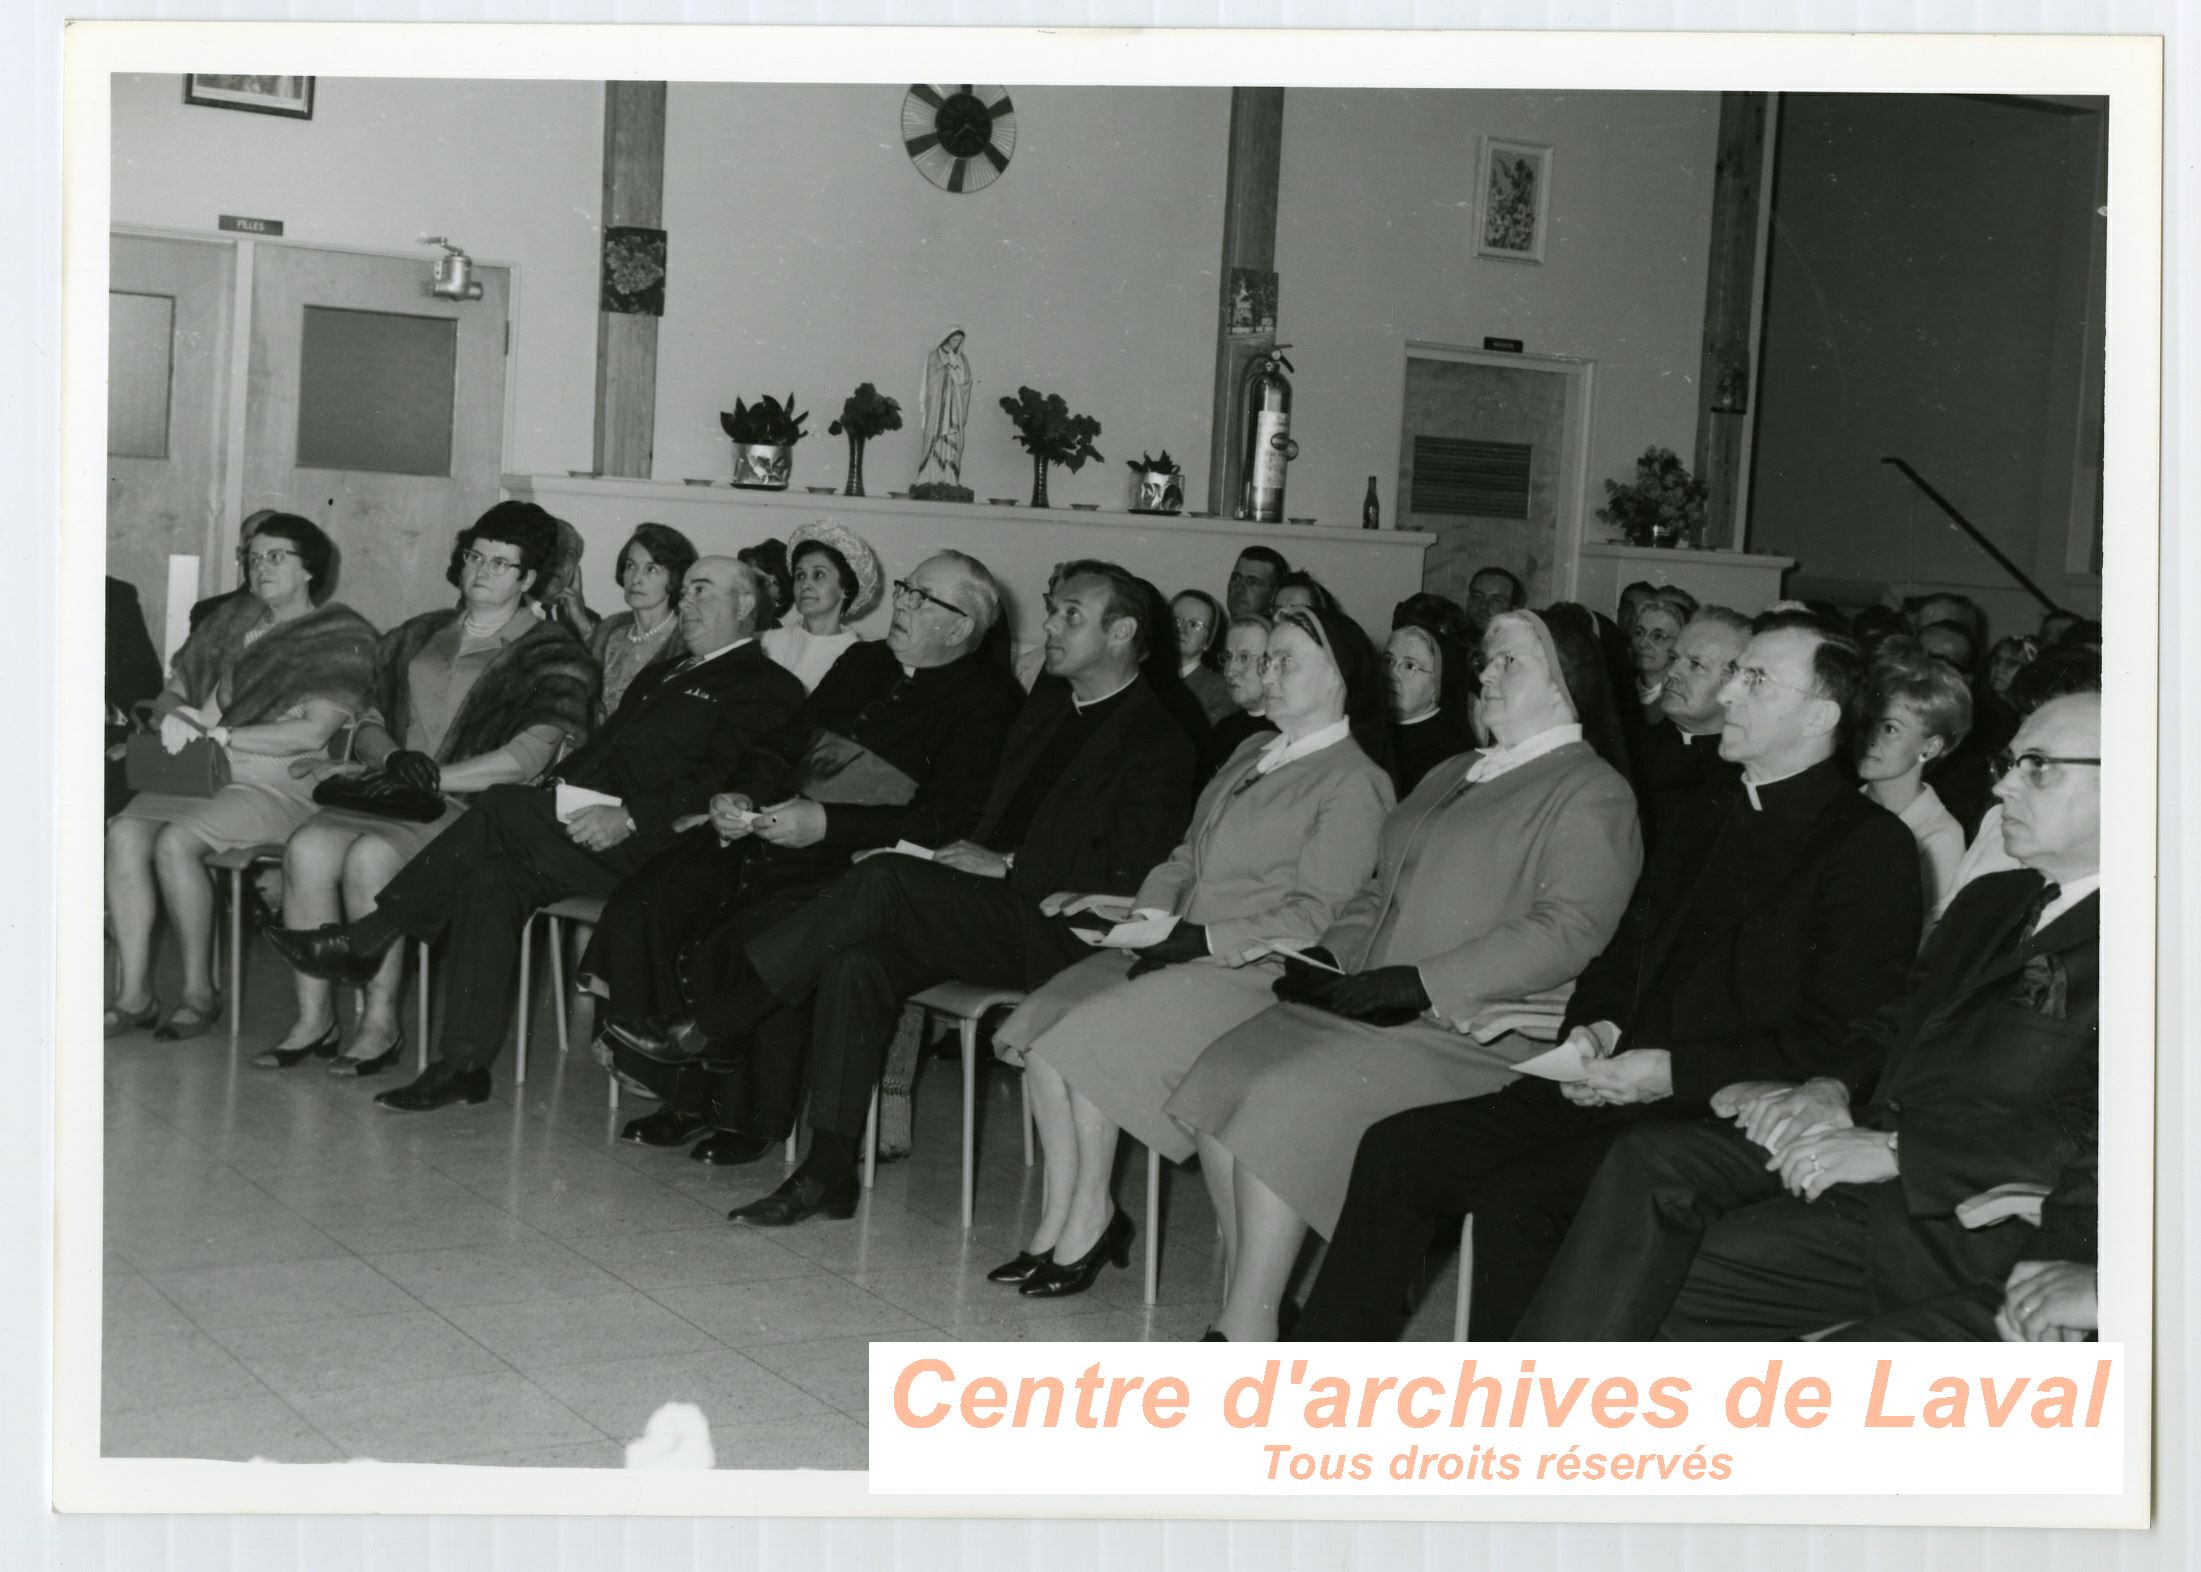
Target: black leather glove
x=1304 y=984
x=1185 y=942
x=1387 y=996
x=409 y=768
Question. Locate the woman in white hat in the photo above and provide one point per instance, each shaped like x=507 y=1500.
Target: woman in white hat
x=836 y=579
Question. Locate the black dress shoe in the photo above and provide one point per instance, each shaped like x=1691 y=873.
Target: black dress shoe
x=804 y=1195
x=438 y=1086
x=666 y=1127
x=731 y=1148
x=675 y=1044
x=358 y=1069
x=322 y=1047
x=1060 y=1279
x=325 y=952
x=1020 y=1269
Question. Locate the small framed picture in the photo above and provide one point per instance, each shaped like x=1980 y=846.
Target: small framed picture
x=1513 y=182
x=256 y=95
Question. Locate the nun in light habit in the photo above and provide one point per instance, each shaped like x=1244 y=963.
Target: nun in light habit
x=944 y=411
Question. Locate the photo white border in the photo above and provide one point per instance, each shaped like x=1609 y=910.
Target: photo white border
x=2128 y=71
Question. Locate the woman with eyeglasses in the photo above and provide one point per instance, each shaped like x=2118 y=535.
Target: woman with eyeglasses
x=1199 y=624
x=1430 y=683
x=652 y=565
x=1500 y=877
x=270 y=677
x=1245 y=642
x=1282 y=835
x=1651 y=637
x=463 y=700
x=835 y=576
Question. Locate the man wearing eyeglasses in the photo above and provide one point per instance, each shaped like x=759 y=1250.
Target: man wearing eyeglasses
x=724 y=716
x=1094 y=789
x=1679 y=759
x=1957 y=1198
x=906 y=739
x=1773 y=909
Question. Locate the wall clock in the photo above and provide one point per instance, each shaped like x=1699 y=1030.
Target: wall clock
x=960 y=138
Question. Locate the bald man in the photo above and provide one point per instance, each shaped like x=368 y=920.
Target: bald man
x=726 y=719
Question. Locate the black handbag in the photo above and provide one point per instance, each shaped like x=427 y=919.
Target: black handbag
x=200 y=770
x=381 y=796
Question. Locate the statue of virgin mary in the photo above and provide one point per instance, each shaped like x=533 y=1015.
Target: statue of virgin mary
x=943 y=416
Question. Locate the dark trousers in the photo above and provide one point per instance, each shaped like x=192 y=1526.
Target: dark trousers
x=1520 y=1159
x=479 y=882
x=892 y=927
x=654 y=919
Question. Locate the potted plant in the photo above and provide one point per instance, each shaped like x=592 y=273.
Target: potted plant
x=1052 y=435
x=765 y=434
x=865 y=413
x=1662 y=506
x=1157 y=484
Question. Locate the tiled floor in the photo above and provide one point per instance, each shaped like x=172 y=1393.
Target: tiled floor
x=292 y=1273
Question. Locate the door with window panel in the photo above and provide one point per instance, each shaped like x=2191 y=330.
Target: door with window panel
x=377 y=411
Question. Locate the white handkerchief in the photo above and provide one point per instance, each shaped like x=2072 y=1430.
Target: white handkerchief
x=572 y=799
x=1566 y=1062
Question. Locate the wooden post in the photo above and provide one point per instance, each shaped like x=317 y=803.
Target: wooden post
x=1249 y=240
x=1728 y=372
x=626 y=343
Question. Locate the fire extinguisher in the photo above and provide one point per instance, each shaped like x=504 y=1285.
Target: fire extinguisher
x=1265 y=443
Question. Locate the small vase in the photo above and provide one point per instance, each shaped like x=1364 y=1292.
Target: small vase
x=855 y=485
x=1039 y=481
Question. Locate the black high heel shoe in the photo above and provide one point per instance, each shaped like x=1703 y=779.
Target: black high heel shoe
x=322 y=1047
x=1060 y=1279
x=362 y=1068
x=1021 y=1269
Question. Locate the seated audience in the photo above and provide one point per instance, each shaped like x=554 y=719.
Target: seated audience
x=767 y=559
x=1254 y=579
x=1245 y=644
x=1281 y=838
x=1768 y=916
x=1677 y=758
x=2058 y=670
x=2054 y=625
x=464 y=698
x=1875 y=625
x=1301 y=588
x=1822 y=1206
x=1918 y=710
x=1499 y=877
x=1199 y=624
x=1651 y=639
x=907 y=736
x=653 y=565
x=270 y=676
x=835 y=580
x=133 y=678
x=1429 y=682
x=1962 y=777
x=723 y=718
x=1633 y=598
x=2008 y=657
x=1093 y=790
x=202 y=609
x=1950 y=607
x=1491 y=591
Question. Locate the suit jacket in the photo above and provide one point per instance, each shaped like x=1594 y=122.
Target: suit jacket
x=1991 y=1074
x=1116 y=811
x=133 y=676
x=680 y=736
x=1759 y=978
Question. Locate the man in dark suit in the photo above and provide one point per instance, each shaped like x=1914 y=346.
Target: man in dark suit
x=1677 y=758
x=1768 y=913
x=1908 y=1220
x=133 y=677
x=726 y=718
x=1095 y=789
x=909 y=731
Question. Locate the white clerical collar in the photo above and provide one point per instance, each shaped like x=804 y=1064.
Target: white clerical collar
x=1279 y=753
x=1750 y=787
x=1690 y=739
x=2068 y=896
x=1086 y=704
x=1498 y=761
x=1415 y=720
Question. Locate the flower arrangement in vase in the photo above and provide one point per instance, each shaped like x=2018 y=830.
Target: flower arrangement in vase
x=865 y=414
x=764 y=436
x=1662 y=506
x=1157 y=484
x=1052 y=435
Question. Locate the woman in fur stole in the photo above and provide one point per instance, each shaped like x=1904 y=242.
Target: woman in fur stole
x=270 y=676
x=464 y=699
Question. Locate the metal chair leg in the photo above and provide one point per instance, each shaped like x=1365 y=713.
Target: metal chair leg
x=1153 y=1222
x=555 y=933
x=969 y=1035
x=236 y=955
x=1467 y=1278
x=422 y=985
x=527 y=937
x=871 y=1140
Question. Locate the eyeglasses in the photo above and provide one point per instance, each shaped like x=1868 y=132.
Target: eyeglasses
x=1698 y=663
x=1407 y=666
x=908 y=594
x=2035 y=767
x=269 y=559
x=1282 y=665
x=1756 y=679
x=1238 y=658
x=1191 y=624
x=475 y=559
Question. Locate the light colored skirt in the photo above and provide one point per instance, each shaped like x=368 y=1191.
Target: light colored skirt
x=1291 y=1092
x=403 y=836
x=1126 y=1045
x=262 y=803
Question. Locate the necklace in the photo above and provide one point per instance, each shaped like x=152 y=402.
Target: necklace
x=641 y=635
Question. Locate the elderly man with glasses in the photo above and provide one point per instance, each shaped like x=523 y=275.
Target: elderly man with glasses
x=1957 y=1199
x=1771 y=912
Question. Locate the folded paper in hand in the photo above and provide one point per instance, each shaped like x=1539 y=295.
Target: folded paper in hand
x=1141 y=931
x=572 y=799
x=1304 y=959
x=1567 y=1062
x=912 y=849
x=2018 y=1199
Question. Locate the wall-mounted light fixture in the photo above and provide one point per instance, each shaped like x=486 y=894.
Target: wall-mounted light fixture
x=453 y=277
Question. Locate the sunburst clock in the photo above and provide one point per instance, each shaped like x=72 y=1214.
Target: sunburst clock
x=960 y=138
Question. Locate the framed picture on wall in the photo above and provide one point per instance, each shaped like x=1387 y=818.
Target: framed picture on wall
x=255 y=95
x=1513 y=199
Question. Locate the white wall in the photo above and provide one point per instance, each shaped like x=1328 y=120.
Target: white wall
x=806 y=252
x=1375 y=246
x=512 y=171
